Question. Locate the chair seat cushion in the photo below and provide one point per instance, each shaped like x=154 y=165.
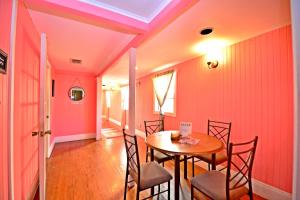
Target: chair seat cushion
x=160 y=157
x=213 y=184
x=220 y=157
x=152 y=174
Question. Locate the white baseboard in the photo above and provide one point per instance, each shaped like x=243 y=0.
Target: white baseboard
x=70 y=138
x=140 y=133
x=116 y=122
x=137 y=132
x=264 y=190
x=50 y=149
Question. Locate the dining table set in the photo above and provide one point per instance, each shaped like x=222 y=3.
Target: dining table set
x=201 y=143
x=213 y=147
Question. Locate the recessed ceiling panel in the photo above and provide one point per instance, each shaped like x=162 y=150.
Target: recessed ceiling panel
x=142 y=10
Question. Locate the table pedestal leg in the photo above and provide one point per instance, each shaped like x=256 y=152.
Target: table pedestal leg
x=213 y=164
x=185 y=167
x=152 y=159
x=177 y=176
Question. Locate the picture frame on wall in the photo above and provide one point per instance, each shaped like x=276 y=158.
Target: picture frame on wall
x=3 y=62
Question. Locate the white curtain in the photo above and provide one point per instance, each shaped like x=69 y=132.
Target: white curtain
x=161 y=84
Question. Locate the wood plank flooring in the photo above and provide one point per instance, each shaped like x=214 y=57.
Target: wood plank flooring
x=92 y=169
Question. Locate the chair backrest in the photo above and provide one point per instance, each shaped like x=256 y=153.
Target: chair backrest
x=153 y=126
x=133 y=161
x=239 y=165
x=220 y=130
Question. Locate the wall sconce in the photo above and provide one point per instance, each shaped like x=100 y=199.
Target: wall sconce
x=212 y=64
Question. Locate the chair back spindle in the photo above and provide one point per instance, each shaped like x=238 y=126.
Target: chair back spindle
x=153 y=126
x=220 y=130
x=239 y=166
x=133 y=162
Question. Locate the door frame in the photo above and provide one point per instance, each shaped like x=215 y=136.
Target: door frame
x=11 y=101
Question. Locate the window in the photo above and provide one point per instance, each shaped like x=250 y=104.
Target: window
x=108 y=98
x=169 y=104
x=124 y=97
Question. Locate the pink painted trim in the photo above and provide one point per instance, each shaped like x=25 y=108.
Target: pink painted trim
x=89 y=14
x=169 y=14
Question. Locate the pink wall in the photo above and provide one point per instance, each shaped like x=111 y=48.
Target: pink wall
x=5 y=19
x=69 y=118
x=253 y=90
x=26 y=105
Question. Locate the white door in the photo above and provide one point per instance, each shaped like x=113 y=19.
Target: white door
x=42 y=118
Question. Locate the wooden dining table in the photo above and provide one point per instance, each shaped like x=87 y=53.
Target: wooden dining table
x=161 y=141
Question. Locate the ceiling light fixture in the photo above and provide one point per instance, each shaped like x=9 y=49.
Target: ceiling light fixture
x=212 y=64
x=206 y=31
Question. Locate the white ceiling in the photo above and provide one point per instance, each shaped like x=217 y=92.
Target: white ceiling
x=142 y=10
x=232 y=20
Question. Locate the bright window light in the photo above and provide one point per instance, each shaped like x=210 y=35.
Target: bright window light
x=124 y=97
x=169 y=105
x=108 y=98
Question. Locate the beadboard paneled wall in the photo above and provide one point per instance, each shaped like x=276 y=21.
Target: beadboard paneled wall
x=252 y=88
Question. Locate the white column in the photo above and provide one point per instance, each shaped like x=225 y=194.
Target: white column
x=99 y=108
x=295 y=14
x=131 y=111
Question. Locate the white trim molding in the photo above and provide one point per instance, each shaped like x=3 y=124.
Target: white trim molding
x=295 y=19
x=116 y=122
x=11 y=90
x=70 y=138
x=50 y=148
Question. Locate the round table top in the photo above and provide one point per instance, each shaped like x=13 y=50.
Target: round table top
x=162 y=141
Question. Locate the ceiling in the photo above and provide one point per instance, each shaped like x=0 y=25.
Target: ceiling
x=232 y=20
x=142 y=10
x=99 y=32
x=69 y=39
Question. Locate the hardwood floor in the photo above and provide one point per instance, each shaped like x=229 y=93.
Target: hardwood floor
x=92 y=169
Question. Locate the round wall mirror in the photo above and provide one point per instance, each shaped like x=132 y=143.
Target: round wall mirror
x=76 y=93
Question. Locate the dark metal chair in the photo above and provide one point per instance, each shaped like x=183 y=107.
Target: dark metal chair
x=220 y=130
x=145 y=176
x=231 y=185
x=154 y=127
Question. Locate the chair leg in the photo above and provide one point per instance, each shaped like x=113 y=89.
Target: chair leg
x=158 y=191
x=193 y=166
x=169 y=190
x=208 y=166
x=192 y=192
x=250 y=190
x=147 y=154
x=163 y=164
x=126 y=180
x=137 y=193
